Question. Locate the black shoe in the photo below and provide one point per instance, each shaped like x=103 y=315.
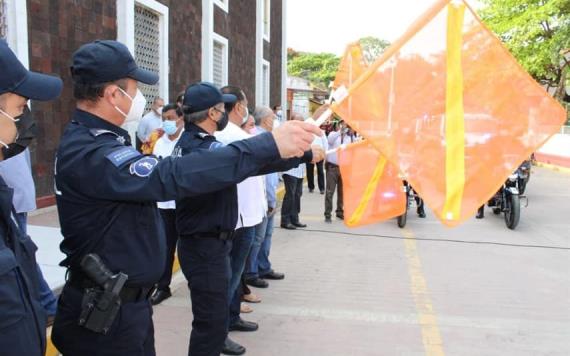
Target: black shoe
x=421 y=213
x=340 y=216
x=298 y=224
x=311 y=190
x=322 y=192
x=328 y=219
x=273 y=275
x=232 y=348
x=257 y=282
x=288 y=226
x=159 y=296
x=242 y=325
x=480 y=215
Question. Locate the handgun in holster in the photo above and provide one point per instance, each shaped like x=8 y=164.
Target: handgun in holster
x=102 y=302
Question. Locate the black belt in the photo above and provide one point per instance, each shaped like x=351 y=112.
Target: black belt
x=225 y=236
x=129 y=294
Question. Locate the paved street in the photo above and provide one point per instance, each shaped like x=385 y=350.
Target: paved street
x=479 y=289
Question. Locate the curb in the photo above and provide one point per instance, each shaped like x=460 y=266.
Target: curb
x=553 y=167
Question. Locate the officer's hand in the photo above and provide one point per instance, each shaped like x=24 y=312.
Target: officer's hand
x=318 y=153
x=293 y=138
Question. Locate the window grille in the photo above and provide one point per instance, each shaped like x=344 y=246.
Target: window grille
x=147 y=48
x=3 y=20
x=218 y=61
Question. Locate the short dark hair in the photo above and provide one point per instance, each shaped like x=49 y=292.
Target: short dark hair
x=237 y=91
x=180 y=98
x=194 y=117
x=172 y=106
x=93 y=92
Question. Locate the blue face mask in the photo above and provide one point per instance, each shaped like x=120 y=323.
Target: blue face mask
x=169 y=127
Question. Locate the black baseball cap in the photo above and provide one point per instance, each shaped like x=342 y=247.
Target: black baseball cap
x=203 y=95
x=106 y=61
x=15 y=78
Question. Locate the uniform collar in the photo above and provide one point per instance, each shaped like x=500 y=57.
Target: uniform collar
x=95 y=122
x=191 y=127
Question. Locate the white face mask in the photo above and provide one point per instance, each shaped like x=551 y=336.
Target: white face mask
x=13 y=120
x=137 y=107
x=246 y=116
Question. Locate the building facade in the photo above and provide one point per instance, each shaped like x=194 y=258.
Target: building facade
x=236 y=42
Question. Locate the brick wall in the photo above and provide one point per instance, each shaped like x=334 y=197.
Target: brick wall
x=276 y=37
x=238 y=26
x=56 y=28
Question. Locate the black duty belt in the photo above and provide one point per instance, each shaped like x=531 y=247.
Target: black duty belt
x=129 y=294
x=226 y=235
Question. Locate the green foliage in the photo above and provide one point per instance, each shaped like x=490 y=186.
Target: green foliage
x=373 y=47
x=318 y=68
x=535 y=31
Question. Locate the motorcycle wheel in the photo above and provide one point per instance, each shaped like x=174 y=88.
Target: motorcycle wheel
x=402 y=219
x=513 y=211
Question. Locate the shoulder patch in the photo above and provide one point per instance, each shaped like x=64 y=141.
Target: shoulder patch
x=143 y=167
x=215 y=145
x=122 y=155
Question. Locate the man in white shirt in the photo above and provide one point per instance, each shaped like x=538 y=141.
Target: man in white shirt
x=150 y=122
x=293 y=180
x=336 y=138
x=252 y=207
x=173 y=125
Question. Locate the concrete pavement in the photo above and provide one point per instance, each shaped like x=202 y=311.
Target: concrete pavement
x=479 y=289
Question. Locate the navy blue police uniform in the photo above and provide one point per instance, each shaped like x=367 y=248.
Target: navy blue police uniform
x=106 y=195
x=22 y=317
x=23 y=321
x=206 y=226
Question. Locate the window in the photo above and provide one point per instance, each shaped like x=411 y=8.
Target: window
x=3 y=21
x=266 y=19
x=147 y=48
x=219 y=73
x=142 y=25
x=222 y=4
x=265 y=77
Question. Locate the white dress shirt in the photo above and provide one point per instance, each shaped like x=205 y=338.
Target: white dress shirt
x=162 y=149
x=335 y=140
x=252 y=202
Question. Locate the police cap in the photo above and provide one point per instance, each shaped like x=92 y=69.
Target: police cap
x=203 y=95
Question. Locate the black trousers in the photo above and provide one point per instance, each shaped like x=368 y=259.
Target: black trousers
x=205 y=263
x=169 y=220
x=320 y=176
x=292 y=199
x=131 y=334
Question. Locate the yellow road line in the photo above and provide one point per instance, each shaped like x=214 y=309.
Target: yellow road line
x=553 y=167
x=431 y=337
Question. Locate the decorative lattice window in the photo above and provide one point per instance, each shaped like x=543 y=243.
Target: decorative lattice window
x=3 y=20
x=265 y=84
x=218 y=62
x=147 y=48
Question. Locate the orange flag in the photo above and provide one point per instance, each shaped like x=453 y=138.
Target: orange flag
x=372 y=190
x=451 y=107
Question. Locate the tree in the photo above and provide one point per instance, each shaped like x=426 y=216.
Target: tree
x=372 y=48
x=318 y=68
x=536 y=32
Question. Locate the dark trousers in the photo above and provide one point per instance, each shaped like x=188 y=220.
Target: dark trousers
x=205 y=263
x=169 y=220
x=292 y=199
x=242 y=243
x=320 y=176
x=132 y=332
x=334 y=182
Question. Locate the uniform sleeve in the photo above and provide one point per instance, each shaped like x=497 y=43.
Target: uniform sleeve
x=145 y=178
x=282 y=165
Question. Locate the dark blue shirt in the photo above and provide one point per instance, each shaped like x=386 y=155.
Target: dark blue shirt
x=216 y=211
x=106 y=192
x=19 y=280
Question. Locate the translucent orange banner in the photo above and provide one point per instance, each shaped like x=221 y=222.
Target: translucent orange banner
x=452 y=109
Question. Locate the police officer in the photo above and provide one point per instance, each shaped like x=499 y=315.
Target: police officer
x=206 y=223
x=106 y=195
x=23 y=320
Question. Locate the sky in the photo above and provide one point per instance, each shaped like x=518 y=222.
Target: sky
x=329 y=25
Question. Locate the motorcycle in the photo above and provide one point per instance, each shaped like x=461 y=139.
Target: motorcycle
x=507 y=199
x=524 y=175
x=411 y=195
